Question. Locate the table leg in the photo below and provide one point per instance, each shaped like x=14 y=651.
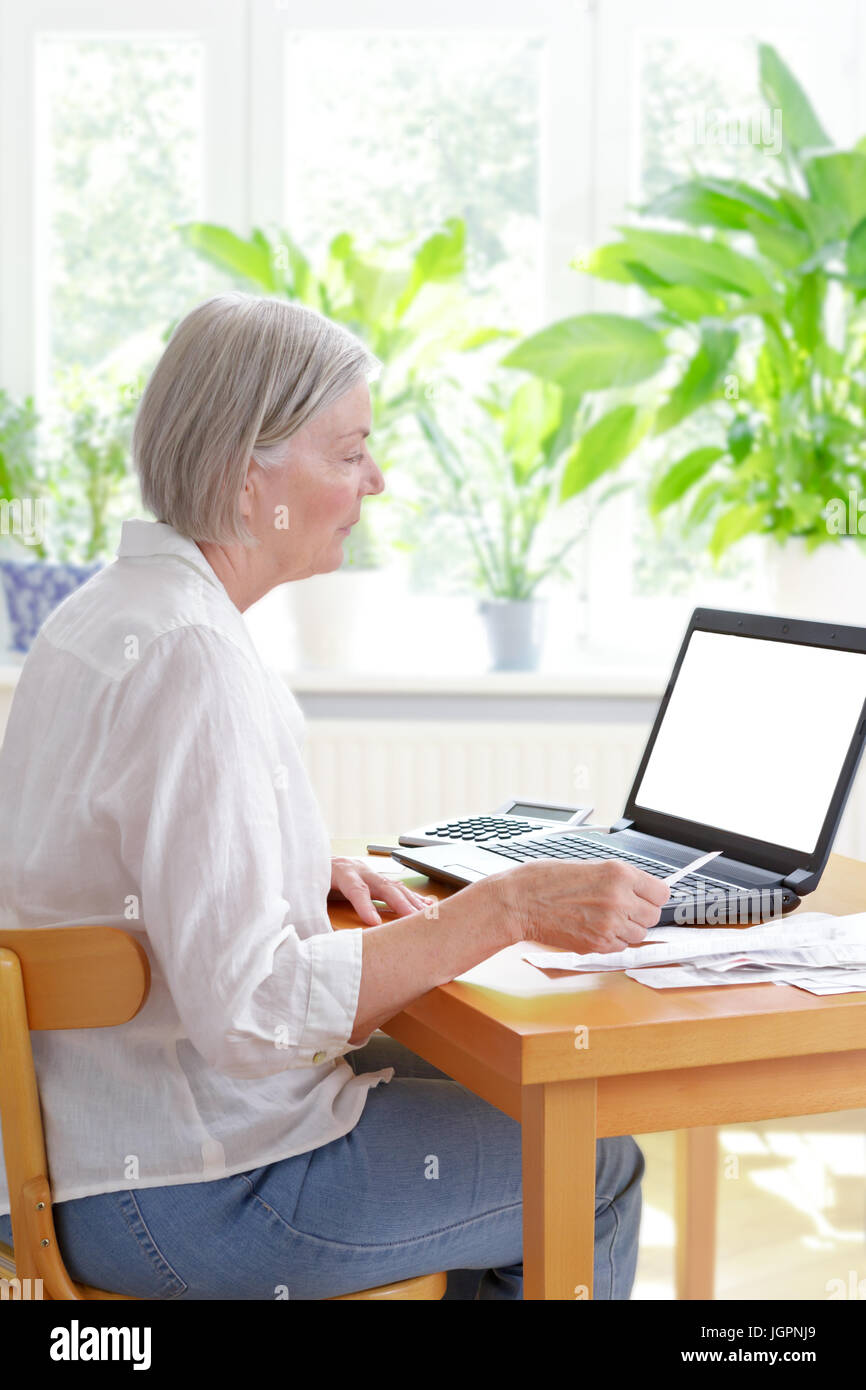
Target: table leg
x=559 y=1134
x=697 y=1163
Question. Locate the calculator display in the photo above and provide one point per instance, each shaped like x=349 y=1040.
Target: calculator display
x=540 y=812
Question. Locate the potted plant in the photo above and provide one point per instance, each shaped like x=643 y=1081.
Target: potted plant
x=758 y=294
x=57 y=500
x=504 y=485
x=409 y=305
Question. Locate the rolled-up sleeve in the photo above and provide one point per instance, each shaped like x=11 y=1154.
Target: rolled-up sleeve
x=199 y=788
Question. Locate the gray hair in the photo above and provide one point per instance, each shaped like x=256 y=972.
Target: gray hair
x=240 y=375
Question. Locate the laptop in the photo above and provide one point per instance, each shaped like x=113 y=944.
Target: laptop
x=753 y=753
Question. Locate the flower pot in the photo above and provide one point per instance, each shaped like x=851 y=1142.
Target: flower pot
x=329 y=612
x=826 y=585
x=515 y=631
x=33 y=589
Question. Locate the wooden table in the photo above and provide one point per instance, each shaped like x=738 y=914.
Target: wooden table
x=608 y=1056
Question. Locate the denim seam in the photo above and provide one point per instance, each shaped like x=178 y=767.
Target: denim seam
x=616 y=1225
x=387 y=1245
x=153 y=1253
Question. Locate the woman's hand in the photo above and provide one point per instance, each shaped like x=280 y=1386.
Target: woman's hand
x=602 y=905
x=352 y=879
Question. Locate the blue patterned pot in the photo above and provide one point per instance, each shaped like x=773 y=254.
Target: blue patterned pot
x=33 y=589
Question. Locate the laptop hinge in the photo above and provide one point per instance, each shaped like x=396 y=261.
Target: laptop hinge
x=801 y=881
x=621 y=824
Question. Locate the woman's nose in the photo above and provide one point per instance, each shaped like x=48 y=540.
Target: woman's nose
x=375 y=478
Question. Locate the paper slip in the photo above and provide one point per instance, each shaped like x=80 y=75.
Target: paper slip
x=672 y=945
x=387 y=867
x=688 y=977
x=788 y=957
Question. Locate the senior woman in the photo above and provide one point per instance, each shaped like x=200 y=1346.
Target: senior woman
x=250 y=1135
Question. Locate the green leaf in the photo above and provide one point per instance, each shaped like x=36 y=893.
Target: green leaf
x=805 y=308
x=725 y=203
x=681 y=476
x=532 y=415
x=780 y=89
x=784 y=246
x=603 y=447
x=701 y=378
x=615 y=262
x=681 y=258
x=740 y=521
x=341 y=246
x=480 y=337
x=855 y=254
x=298 y=278
x=686 y=302
x=820 y=223
x=805 y=508
x=443 y=255
x=375 y=292
x=250 y=260
x=591 y=352
x=741 y=438
x=837 y=182
x=439 y=259
x=705 y=501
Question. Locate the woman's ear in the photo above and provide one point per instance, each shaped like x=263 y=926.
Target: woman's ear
x=248 y=491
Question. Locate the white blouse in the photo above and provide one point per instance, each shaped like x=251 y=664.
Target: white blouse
x=151 y=778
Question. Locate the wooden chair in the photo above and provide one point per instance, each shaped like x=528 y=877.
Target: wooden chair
x=74 y=977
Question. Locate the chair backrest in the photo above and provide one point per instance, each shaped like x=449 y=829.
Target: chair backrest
x=52 y=978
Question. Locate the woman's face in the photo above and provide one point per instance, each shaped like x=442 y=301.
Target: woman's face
x=302 y=510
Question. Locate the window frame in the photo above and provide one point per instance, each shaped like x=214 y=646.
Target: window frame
x=222 y=28
x=589 y=152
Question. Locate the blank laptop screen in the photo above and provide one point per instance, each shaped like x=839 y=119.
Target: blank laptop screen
x=754 y=737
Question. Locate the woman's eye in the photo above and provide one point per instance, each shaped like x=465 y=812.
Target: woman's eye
x=356 y=458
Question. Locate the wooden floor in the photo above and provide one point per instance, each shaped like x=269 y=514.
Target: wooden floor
x=792 y=1210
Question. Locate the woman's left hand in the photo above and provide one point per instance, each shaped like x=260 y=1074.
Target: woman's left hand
x=352 y=879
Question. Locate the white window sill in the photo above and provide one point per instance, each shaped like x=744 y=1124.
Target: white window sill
x=596 y=679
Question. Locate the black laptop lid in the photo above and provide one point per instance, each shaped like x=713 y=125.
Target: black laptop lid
x=756 y=740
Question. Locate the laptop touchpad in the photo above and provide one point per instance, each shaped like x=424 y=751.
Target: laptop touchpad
x=464 y=869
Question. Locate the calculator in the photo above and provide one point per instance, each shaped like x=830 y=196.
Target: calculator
x=516 y=816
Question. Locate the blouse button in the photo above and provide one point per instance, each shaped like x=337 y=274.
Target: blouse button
x=318 y=1056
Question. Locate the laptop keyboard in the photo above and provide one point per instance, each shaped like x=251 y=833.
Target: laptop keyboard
x=575 y=848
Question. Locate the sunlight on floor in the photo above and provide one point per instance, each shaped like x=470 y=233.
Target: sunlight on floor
x=791 y=1210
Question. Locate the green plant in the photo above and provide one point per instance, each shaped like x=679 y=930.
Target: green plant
x=408 y=304
x=19 y=481
x=753 y=352
x=90 y=481
x=76 y=471
x=503 y=481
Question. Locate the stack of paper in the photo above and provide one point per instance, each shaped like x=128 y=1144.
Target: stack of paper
x=813 y=951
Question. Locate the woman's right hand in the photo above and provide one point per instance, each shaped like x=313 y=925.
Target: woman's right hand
x=602 y=905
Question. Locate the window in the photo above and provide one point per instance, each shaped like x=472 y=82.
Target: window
x=118 y=163
x=677 y=86
x=390 y=134
x=540 y=125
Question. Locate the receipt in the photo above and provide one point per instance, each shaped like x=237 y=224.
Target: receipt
x=818 y=931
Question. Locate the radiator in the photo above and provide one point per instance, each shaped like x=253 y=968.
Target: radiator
x=374 y=779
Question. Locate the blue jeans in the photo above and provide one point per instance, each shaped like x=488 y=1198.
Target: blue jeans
x=429 y=1179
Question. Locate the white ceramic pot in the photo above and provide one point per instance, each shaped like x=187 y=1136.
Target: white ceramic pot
x=335 y=615
x=515 y=632
x=827 y=584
